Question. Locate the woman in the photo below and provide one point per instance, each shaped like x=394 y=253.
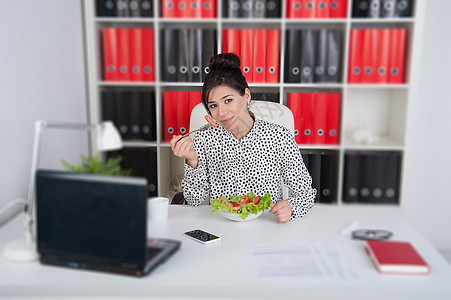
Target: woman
x=243 y=154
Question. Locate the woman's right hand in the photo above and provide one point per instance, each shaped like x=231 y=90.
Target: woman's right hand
x=184 y=148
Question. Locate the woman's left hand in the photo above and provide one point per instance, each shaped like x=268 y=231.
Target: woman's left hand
x=282 y=210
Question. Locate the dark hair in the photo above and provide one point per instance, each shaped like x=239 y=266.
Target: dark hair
x=224 y=70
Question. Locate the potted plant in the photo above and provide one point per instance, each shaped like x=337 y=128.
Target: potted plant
x=95 y=164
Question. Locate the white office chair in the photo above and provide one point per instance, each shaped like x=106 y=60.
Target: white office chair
x=265 y=110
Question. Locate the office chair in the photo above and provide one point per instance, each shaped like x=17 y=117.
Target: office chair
x=268 y=111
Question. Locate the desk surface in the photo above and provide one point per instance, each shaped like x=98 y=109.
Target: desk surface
x=225 y=270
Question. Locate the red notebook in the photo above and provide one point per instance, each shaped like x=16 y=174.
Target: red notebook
x=395 y=257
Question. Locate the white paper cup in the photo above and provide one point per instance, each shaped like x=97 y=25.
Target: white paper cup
x=157 y=208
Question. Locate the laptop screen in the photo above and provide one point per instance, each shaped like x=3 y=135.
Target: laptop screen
x=91 y=215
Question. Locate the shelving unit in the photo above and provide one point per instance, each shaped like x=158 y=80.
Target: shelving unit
x=381 y=107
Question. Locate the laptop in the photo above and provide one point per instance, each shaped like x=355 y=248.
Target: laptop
x=96 y=222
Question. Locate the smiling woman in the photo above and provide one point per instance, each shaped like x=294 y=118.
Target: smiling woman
x=243 y=153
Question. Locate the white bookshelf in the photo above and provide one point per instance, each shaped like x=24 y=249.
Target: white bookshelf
x=383 y=108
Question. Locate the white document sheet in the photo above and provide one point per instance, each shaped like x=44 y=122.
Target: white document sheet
x=303 y=263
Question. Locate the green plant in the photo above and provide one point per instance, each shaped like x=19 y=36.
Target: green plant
x=95 y=164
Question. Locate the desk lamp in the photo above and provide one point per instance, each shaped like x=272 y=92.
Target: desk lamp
x=108 y=138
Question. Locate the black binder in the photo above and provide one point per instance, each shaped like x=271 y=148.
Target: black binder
x=308 y=43
x=122 y=8
x=388 y=8
x=170 y=55
x=321 y=56
x=108 y=105
x=233 y=8
x=366 y=177
x=374 y=9
x=351 y=177
x=183 y=55
x=292 y=72
x=142 y=162
x=146 y=8
x=259 y=9
x=333 y=68
x=148 y=116
x=134 y=118
x=327 y=181
x=196 y=55
x=246 y=8
x=404 y=8
x=315 y=172
x=273 y=9
x=209 y=48
x=392 y=179
x=106 y=8
x=360 y=8
x=123 y=113
x=379 y=173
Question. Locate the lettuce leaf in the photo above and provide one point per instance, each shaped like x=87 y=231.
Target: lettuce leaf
x=245 y=209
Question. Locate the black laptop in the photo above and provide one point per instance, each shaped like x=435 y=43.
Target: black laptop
x=96 y=222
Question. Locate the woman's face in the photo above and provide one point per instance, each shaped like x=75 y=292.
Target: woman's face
x=229 y=109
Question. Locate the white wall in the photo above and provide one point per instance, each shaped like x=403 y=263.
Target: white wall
x=428 y=187
x=41 y=77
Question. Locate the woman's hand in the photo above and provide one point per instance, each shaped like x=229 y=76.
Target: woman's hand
x=184 y=148
x=282 y=210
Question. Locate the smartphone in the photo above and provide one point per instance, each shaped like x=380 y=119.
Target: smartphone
x=202 y=236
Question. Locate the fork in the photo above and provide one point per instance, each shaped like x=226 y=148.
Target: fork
x=210 y=123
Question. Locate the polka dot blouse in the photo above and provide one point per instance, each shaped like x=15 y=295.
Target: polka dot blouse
x=259 y=162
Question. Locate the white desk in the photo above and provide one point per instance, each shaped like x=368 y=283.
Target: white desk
x=225 y=270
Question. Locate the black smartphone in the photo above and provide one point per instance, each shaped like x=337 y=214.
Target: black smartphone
x=202 y=236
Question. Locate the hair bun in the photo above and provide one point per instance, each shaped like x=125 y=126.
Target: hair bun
x=224 y=61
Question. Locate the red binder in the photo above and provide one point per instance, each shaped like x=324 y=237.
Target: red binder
x=272 y=55
x=322 y=9
x=170 y=115
x=332 y=119
x=259 y=55
x=355 y=56
x=182 y=113
x=308 y=9
x=383 y=55
x=110 y=54
x=182 y=9
x=168 y=8
x=194 y=98
x=246 y=52
x=136 y=54
x=397 y=55
x=231 y=41
x=369 y=57
x=208 y=8
x=123 y=40
x=307 y=115
x=320 y=117
x=194 y=8
x=337 y=8
x=148 y=55
x=294 y=104
x=294 y=8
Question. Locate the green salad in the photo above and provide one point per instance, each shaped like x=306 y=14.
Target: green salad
x=242 y=205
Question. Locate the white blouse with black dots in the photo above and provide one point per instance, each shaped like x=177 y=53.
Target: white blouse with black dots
x=259 y=162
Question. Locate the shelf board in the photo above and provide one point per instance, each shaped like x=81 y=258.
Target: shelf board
x=381 y=144
x=126 y=84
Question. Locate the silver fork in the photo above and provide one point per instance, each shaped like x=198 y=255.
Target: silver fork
x=200 y=129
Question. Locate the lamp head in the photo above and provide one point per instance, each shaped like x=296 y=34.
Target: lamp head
x=108 y=137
